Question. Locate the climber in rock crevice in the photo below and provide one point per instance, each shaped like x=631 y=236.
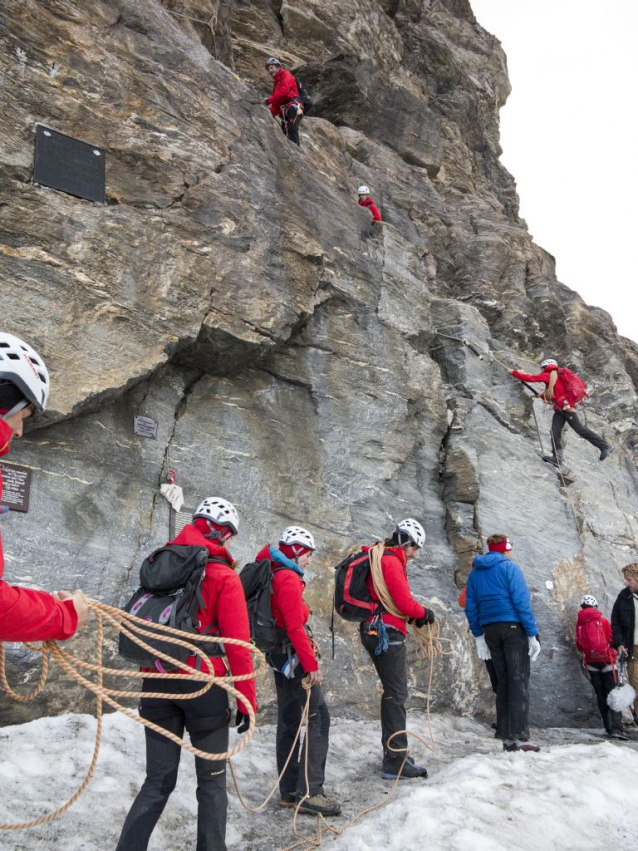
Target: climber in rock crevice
x=365 y=200
x=565 y=389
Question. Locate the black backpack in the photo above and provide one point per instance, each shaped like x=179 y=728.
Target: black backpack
x=304 y=97
x=256 y=579
x=170 y=594
x=352 y=599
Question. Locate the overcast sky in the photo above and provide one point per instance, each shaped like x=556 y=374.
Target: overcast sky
x=568 y=133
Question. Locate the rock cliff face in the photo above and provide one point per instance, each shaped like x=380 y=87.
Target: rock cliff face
x=232 y=289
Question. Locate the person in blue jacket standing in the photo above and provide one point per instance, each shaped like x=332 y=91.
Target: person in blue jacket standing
x=500 y=616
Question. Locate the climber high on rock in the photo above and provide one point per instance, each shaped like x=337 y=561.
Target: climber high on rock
x=365 y=200
x=565 y=389
x=285 y=102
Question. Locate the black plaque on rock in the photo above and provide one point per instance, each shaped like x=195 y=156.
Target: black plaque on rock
x=177 y=521
x=64 y=163
x=145 y=427
x=16 y=486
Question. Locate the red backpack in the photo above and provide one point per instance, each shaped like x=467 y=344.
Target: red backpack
x=573 y=385
x=593 y=641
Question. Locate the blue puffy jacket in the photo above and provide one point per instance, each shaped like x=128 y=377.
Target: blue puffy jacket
x=497 y=592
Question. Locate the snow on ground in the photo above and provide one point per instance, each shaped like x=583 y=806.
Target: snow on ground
x=577 y=793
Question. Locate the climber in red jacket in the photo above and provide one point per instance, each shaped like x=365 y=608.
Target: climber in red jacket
x=296 y=659
x=559 y=393
x=284 y=102
x=25 y=614
x=365 y=200
x=595 y=643
x=383 y=636
x=206 y=718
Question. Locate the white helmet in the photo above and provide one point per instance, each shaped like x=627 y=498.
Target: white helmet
x=548 y=362
x=23 y=366
x=219 y=511
x=588 y=600
x=272 y=61
x=363 y=190
x=414 y=531
x=297 y=535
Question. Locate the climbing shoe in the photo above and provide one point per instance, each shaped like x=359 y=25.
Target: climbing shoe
x=288 y=800
x=527 y=747
x=411 y=770
x=619 y=734
x=550 y=460
x=606 y=451
x=320 y=805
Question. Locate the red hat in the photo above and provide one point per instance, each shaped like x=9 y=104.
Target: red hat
x=294 y=551
x=205 y=527
x=501 y=547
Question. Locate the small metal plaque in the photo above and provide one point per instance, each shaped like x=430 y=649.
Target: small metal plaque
x=16 y=486
x=69 y=165
x=179 y=519
x=145 y=427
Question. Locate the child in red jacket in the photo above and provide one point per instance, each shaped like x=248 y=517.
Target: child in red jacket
x=594 y=641
x=365 y=200
x=297 y=659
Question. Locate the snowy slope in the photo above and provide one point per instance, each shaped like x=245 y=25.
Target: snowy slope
x=570 y=796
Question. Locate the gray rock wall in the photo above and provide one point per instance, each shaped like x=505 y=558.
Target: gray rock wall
x=232 y=289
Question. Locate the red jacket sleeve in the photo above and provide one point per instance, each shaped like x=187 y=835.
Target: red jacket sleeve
x=462 y=598
x=294 y=614
x=232 y=617
x=397 y=583
x=523 y=376
x=376 y=215
x=285 y=89
x=25 y=614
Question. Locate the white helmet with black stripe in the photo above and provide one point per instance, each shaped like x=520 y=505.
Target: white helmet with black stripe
x=298 y=535
x=549 y=362
x=22 y=366
x=414 y=531
x=219 y=511
x=363 y=190
x=588 y=600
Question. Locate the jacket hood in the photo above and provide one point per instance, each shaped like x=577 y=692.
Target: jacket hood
x=488 y=561
x=588 y=614
x=273 y=554
x=6 y=434
x=192 y=537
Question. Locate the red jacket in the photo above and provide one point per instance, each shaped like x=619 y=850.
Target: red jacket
x=590 y=614
x=291 y=612
x=224 y=604
x=27 y=615
x=284 y=90
x=376 y=215
x=559 y=390
x=394 y=568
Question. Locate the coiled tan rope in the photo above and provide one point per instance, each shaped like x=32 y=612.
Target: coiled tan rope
x=134 y=628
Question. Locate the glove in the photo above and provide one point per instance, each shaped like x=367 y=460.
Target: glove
x=428 y=617
x=242 y=721
x=482 y=649
x=534 y=647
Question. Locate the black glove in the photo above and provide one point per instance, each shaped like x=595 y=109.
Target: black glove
x=428 y=617
x=242 y=722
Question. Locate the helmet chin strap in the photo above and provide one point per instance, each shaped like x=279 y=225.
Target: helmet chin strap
x=16 y=409
x=213 y=534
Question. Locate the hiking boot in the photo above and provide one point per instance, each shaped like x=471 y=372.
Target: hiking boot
x=411 y=770
x=527 y=747
x=618 y=734
x=288 y=800
x=320 y=805
x=551 y=460
x=606 y=451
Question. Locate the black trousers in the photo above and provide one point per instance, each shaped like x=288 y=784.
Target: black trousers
x=391 y=670
x=604 y=682
x=491 y=671
x=561 y=418
x=509 y=648
x=291 y=699
x=291 y=119
x=206 y=718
